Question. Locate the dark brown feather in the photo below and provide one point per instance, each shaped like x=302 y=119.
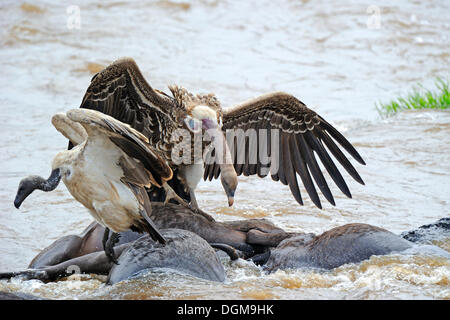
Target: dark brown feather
x=121 y=92
x=145 y=224
x=329 y=165
x=341 y=139
x=281 y=169
x=337 y=153
x=131 y=142
x=314 y=168
x=303 y=134
x=291 y=177
x=301 y=168
x=135 y=173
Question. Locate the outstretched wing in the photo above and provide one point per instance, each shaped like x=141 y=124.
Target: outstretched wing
x=143 y=166
x=121 y=92
x=291 y=135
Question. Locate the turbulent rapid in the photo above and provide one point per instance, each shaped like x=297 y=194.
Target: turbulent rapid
x=330 y=57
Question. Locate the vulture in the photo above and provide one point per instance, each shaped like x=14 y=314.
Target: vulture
x=108 y=171
x=275 y=134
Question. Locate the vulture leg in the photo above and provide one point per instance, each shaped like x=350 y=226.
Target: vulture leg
x=105 y=238
x=194 y=206
x=109 y=245
x=171 y=194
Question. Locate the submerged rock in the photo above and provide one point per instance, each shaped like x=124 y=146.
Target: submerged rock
x=184 y=251
x=425 y=234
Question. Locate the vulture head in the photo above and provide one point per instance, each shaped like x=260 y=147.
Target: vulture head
x=205 y=119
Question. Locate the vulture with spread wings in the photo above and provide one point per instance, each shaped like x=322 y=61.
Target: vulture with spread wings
x=273 y=134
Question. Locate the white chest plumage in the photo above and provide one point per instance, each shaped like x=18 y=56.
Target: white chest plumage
x=95 y=182
x=192 y=174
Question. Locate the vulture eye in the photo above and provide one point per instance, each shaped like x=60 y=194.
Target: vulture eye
x=193 y=124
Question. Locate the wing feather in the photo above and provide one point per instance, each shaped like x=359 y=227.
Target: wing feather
x=145 y=224
x=303 y=137
x=317 y=146
x=291 y=177
x=337 y=153
x=121 y=91
x=130 y=141
x=314 y=168
x=302 y=170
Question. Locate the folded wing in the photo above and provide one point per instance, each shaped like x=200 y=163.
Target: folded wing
x=143 y=166
x=121 y=92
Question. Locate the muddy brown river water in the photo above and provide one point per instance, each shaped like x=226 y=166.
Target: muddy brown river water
x=340 y=59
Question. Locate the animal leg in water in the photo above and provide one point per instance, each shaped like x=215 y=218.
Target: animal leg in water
x=261 y=258
x=232 y=252
x=95 y=262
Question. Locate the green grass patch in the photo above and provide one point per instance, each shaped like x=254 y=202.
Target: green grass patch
x=419 y=98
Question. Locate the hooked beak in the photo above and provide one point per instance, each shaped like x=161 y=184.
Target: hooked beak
x=229 y=182
x=18 y=200
x=230 y=201
x=228 y=175
x=29 y=184
x=22 y=194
